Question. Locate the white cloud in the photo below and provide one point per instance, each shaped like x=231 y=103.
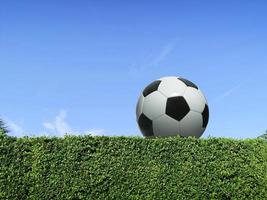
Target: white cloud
x=14 y=128
x=230 y=91
x=166 y=50
x=137 y=70
x=227 y=93
x=95 y=132
x=59 y=126
x=49 y=126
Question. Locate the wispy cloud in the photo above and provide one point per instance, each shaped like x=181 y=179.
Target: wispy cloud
x=227 y=93
x=59 y=127
x=165 y=51
x=137 y=69
x=230 y=91
x=55 y=127
x=95 y=132
x=14 y=128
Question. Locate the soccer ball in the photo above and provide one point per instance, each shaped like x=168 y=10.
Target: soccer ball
x=172 y=106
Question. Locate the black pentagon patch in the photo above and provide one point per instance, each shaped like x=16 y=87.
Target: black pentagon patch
x=151 y=88
x=205 y=116
x=177 y=107
x=145 y=125
x=188 y=83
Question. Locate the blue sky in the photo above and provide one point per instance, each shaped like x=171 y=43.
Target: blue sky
x=79 y=66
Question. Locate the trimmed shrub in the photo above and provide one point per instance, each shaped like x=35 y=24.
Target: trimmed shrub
x=86 y=167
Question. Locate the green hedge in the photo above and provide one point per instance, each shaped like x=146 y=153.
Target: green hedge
x=88 y=167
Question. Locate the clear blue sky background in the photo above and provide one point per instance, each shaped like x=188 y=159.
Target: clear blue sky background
x=80 y=66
